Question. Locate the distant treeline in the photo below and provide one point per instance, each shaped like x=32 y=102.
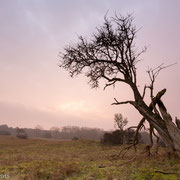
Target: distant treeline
x=67 y=132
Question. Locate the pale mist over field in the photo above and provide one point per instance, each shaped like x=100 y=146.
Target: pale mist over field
x=35 y=91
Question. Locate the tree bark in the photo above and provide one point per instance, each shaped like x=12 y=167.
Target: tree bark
x=168 y=131
x=177 y=123
x=173 y=130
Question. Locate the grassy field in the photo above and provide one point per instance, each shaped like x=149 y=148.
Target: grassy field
x=35 y=159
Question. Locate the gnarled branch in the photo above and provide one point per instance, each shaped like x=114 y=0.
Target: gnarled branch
x=124 y=102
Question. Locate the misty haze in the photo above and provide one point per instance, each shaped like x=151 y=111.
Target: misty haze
x=89 y=90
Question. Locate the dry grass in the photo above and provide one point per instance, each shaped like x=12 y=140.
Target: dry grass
x=33 y=159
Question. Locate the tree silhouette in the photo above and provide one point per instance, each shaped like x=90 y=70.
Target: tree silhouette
x=111 y=54
x=119 y=121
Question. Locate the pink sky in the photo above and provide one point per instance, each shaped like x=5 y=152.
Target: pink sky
x=34 y=90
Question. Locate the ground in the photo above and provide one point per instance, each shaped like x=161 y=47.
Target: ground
x=36 y=159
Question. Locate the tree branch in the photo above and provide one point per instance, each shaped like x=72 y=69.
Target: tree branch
x=124 y=102
x=109 y=84
x=144 y=91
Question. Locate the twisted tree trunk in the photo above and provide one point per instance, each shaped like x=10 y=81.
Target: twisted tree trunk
x=162 y=122
x=173 y=130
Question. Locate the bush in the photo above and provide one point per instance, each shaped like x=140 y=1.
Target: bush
x=21 y=133
x=75 y=138
x=22 y=136
x=115 y=137
x=119 y=137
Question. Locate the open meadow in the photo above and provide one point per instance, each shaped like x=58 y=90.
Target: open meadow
x=36 y=159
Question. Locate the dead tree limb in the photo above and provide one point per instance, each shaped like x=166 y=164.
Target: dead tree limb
x=163 y=172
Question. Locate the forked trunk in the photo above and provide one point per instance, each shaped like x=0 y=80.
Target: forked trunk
x=168 y=131
x=163 y=124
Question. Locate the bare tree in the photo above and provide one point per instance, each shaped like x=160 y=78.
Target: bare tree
x=111 y=54
x=119 y=121
x=39 y=127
